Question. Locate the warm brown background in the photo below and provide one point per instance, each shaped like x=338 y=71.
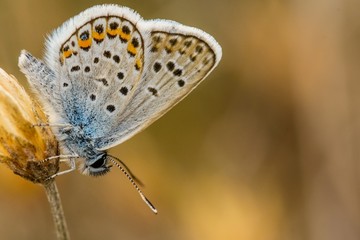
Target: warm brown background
x=267 y=148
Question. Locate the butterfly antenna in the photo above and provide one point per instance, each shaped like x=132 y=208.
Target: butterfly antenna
x=136 y=180
x=116 y=162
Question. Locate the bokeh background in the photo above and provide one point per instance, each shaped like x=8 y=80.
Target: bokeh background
x=268 y=146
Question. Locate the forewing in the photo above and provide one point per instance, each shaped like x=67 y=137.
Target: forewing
x=98 y=57
x=177 y=59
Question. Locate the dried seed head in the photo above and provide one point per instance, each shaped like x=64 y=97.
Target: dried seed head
x=23 y=146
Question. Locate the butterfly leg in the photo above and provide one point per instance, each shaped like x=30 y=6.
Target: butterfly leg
x=72 y=167
x=63 y=158
x=52 y=125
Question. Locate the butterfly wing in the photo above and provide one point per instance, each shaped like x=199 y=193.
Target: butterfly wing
x=98 y=59
x=177 y=59
x=117 y=73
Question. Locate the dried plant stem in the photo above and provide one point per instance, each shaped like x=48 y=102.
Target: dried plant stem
x=53 y=196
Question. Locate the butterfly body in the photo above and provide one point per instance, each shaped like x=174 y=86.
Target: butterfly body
x=77 y=142
x=108 y=74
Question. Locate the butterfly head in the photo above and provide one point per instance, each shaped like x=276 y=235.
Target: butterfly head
x=96 y=166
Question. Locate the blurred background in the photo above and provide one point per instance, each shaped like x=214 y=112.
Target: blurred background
x=268 y=147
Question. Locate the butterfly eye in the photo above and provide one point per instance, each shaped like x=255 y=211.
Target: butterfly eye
x=100 y=162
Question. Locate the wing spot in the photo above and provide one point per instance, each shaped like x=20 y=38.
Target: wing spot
x=206 y=61
x=181 y=83
x=110 y=108
x=135 y=42
x=157 y=39
x=124 y=91
x=92 y=97
x=199 y=49
x=177 y=72
x=131 y=49
x=193 y=58
x=114 y=25
x=153 y=91
x=99 y=34
x=187 y=43
x=96 y=60
x=116 y=58
x=168 y=50
x=99 y=28
x=170 y=66
x=84 y=36
x=67 y=52
x=126 y=29
x=173 y=41
x=87 y=69
x=103 y=81
x=157 y=66
x=111 y=33
x=120 y=75
x=138 y=65
x=107 y=54
x=75 y=68
x=124 y=34
x=84 y=41
x=65 y=84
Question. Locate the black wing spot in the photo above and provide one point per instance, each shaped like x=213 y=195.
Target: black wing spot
x=114 y=25
x=120 y=75
x=116 y=58
x=173 y=41
x=177 y=72
x=125 y=29
x=187 y=43
x=75 y=68
x=157 y=66
x=92 y=97
x=124 y=91
x=99 y=28
x=135 y=42
x=110 y=108
x=107 y=54
x=153 y=91
x=170 y=66
x=199 y=49
x=87 y=69
x=181 y=83
x=65 y=84
x=96 y=60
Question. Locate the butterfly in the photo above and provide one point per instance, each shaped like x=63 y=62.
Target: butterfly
x=108 y=74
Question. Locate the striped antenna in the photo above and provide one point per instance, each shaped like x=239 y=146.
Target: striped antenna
x=117 y=162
